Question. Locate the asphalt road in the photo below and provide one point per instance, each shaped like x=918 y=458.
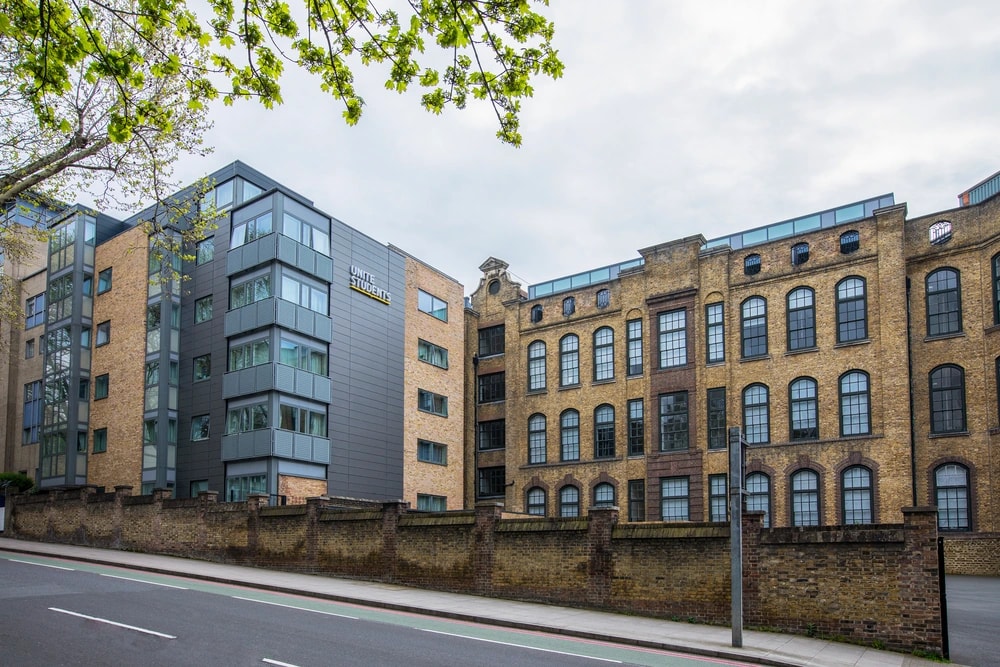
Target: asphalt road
x=973 y=619
x=55 y=612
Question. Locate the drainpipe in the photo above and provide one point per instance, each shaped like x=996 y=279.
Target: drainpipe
x=909 y=377
x=475 y=430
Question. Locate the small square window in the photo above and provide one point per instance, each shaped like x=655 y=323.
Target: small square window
x=101 y=387
x=800 y=254
x=29 y=348
x=603 y=298
x=202 y=367
x=204 y=251
x=569 y=305
x=536 y=314
x=751 y=265
x=104 y=281
x=203 y=309
x=100 y=440
x=199 y=427
x=103 y=333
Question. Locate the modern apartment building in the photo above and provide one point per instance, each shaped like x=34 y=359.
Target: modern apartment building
x=858 y=350
x=297 y=358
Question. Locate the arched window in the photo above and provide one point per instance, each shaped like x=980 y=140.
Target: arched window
x=852 y=310
x=951 y=490
x=801 y=314
x=756 y=414
x=569 y=305
x=754 y=326
x=855 y=413
x=996 y=288
x=800 y=254
x=603 y=298
x=569 y=501
x=751 y=264
x=850 y=241
x=569 y=436
x=940 y=232
x=856 y=495
x=947 y=399
x=536 y=501
x=604 y=495
x=805 y=498
x=536 y=313
x=604 y=432
x=537 y=443
x=604 y=354
x=759 y=495
x=569 y=360
x=944 y=302
x=536 y=366
x=803 y=409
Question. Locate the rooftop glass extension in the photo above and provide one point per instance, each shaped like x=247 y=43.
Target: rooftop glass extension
x=778 y=230
x=981 y=192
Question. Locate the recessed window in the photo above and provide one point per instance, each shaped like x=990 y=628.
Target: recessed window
x=603 y=298
x=203 y=309
x=432 y=354
x=492 y=387
x=569 y=502
x=947 y=399
x=604 y=354
x=246 y=354
x=494 y=287
x=429 y=503
x=29 y=348
x=717 y=418
x=204 y=251
x=536 y=366
x=100 y=440
x=251 y=230
x=759 y=496
x=202 y=367
x=634 y=333
x=805 y=498
x=674 y=421
x=536 y=314
x=856 y=495
x=673 y=338
x=492 y=482
x=250 y=291
x=492 y=434
x=491 y=340
x=855 y=414
x=569 y=436
x=715 y=333
x=940 y=232
x=751 y=264
x=801 y=314
x=803 y=408
x=433 y=403
x=536 y=501
x=199 y=427
x=675 y=505
x=433 y=306
x=103 y=333
x=569 y=360
x=756 y=414
x=850 y=242
x=604 y=432
x=32 y=421
x=951 y=489
x=34 y=311
x=944 y=302
x=101 y=387
x=637 y=500
x=636 y=427
x=104 y=281
x=754 y=327
x=432 y=452
x=800 y=254
x=852 y=310
x=604 y=495
x=569 y=305
x=537 y=440
x=717 y=498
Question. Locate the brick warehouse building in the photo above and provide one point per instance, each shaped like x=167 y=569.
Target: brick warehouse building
x=859 y=351
x=290 y=362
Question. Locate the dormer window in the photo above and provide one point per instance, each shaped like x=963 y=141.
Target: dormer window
x=850 y=242
x=940 y=232
x=800 y=254
x=751 y=265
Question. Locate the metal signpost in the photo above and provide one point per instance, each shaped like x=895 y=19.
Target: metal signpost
x=737 y=463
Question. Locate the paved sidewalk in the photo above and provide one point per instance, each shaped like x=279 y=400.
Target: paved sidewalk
x=762 y=647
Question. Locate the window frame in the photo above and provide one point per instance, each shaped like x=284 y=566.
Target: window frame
x=493 y=432
x=939 y=419
x=493 y=479
x=715 y=332
x=202 y=362
x=604 y=431
x=432 y=305
x=429 y=451
x=805 y=501
x=803 y=428
x=677 y=437
x=855 y=499
x=491 y=341
x=850 y=241
x=569 y=508
x=205 y=432
x=760 y=434
x=432 y=354
x=35 y=310
x=955 y=517
x=672 y=325
x=800 y=253
x=431 y=403
x=843 y=397
x=753 y=316
x=637 y=500
x=103 y=334
x=603 y=298
x=569 y=435
x=717 y=433
x=537 y=439
x=569 y=361
x=757 y=497
x=604 y=354
x=636 y=427
x=427 y=502
x=675 y=500
x=633 y=335
x=491 y=387
x=995 y=266
x=568 y=306
x=799 y=335
x=102 y=386
x=944 y=317
x=715 y=498
x=531 y=504
x=204 y=251
x=105 y=279
x=604 y=494
x=846 y=310
x=199 y=309
x=100 y=441
x=537 y=376
x=752 y=264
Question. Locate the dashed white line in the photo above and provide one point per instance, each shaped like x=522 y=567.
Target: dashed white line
x=277 y=662
x=530 y=648
x=28 y=562
x=289 y=606
x=114 y=623
x=143 y=581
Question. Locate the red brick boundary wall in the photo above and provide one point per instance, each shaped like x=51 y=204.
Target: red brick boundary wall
x=873 y=584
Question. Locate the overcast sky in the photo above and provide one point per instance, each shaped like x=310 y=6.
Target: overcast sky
x=673 y=118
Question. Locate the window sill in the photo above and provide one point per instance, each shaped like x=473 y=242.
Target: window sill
x=634 y=376
x=492 y=401
x=566 y=387
x=957 y=334
x=715 y=363
x=489 y=356
x=678 y=367
x=600 y=382
x=953 y=434
x=536 y=392
x=804 y=350
x=852 y=343
x=758 y=357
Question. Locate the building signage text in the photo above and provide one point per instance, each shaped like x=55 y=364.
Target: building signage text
x=364 y=282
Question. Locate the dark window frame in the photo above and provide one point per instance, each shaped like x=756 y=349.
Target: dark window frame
x=569 y=361
x=941 y=422
x=492 y=341
x=604 y=354
x=848 y=306
x=765 y=408
x=601 y=495
x=637 y=500
x=429 y=451
x=757 y=497
x=537 y=374
x=800 y=254
x=568 y=429
x=491 y=387
x=752 y=264
x=100 y=440
x=569 y=508
x=753 y=317
x=568 y=306
x=678 y=437
x=102 y=385
x=633 y=329
x=636 y=427
x=537 y=439
x=800 y=496
x=531 y=504
x=850 y=241
x=845 y=396
x=716 y=428
x=491 y=435
x=800 y=319
x=943 y=304
x=803 y=428
x=603 y=298
x=716 y=499
x=673 y=338
x=604 y=431
x=105 y=279
x=715 y=332
x=491 y=482
x=682 y=500
x=953 y=517
x=429 y=402
x=857 y=502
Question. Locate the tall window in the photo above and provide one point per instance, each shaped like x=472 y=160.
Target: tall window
x=492 y=434
x=944 y=302
x=715 y=333
x=202 y=367
x=103 y=334
x=491 y=340
x=756 y=414
x=204 y=251
x=759 y=495
x=947 y=399
x=604 y=495
x=717 y=498
x=996 y=288
x=430 y=402
x=675 y=504
x=569 y=360
x=604 y=432
x=637 y=500
x=717 y=418
x=492 y=387
x=101 y=386
x=636 y=428
x=801 y=319
x=754 y=326
x=855 y=414
x=537 y=443
x=803 y=409
x=856 y=484
x=536 y=314
x=805 y=498
x=604 y=354
x=569 y=502
x=104 y=280
x=673 y=338
x=32 y=412
x=852 y=310
x=536 y=501
x=433 y=306
x=34 y=311
x=203 y=309
x=569 y=436
x=634 y=347
x=536 y=366
x=674 y=421
x=100 y=440
x=951 y=489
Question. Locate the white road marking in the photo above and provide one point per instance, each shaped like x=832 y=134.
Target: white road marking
x=530 y=648
x=278 y=663
x=143 y=581
x=28 y=562
x=114 y=623
x=289 y=606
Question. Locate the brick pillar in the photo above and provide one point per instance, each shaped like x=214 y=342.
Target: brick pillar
x=206 y=500
x=390 y=534
x=752 y=524
x=254 y=502
x=158 y=543
x=313 y=507
x=86 y=495
x=920 y=581
x=121 y=492
x=601 y=568
x=10 y=494
x=484 y=546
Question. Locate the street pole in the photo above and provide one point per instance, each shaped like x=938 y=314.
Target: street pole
x=736 y=532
